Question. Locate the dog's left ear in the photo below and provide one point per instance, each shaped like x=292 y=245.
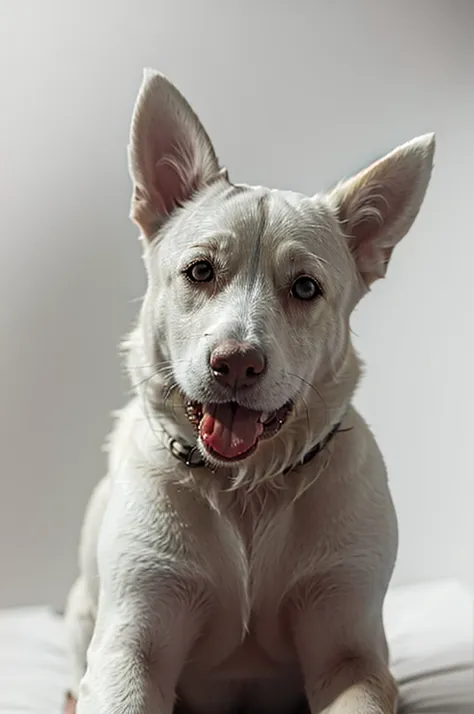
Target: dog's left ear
x=377 y=207
x=170 y=154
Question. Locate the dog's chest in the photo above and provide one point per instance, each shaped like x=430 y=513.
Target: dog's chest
x=249 y=559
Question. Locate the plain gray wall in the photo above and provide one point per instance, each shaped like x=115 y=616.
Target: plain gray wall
x=294 y=94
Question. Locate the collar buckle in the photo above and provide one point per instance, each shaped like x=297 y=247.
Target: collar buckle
x=184 y=453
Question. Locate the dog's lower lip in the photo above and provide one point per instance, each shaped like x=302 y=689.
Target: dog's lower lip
x=234 y=460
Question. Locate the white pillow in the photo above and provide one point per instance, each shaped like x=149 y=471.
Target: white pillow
x=430 y=629
x=33 y=664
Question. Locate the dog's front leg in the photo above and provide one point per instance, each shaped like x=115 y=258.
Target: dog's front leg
x=357 y=684
x=150 y=606
x=135 y=657
x=343 y=656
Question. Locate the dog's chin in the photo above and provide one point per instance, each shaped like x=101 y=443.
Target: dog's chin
x=229 y=433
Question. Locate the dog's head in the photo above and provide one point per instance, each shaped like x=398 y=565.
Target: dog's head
x=251 y=290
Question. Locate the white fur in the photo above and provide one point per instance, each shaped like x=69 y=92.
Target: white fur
x=227 y=586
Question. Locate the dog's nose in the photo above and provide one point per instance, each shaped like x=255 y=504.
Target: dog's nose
x=237 y=364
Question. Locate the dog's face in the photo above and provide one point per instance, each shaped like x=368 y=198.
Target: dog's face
x=251 y=290
x=244 y=303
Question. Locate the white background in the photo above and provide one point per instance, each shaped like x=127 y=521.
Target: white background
x=294 y=94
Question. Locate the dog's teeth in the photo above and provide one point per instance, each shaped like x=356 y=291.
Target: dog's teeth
x=264 y=417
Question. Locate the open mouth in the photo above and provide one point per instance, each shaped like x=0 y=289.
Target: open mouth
x=230 y=432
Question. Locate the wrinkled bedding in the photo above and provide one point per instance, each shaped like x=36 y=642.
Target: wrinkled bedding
x=430 y=630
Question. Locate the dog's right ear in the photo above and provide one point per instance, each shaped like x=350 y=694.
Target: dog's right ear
x=170 y=155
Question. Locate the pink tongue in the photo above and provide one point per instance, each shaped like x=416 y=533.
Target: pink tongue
x=229 y=429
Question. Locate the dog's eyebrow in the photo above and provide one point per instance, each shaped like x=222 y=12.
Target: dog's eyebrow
x=293 y=252
x=213 y=241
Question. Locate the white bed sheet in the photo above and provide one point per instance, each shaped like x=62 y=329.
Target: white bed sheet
x=430 y=629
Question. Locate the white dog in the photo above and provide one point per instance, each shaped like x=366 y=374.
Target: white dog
x=237 y=555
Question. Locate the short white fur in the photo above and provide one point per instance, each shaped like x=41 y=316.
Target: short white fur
x=243 y=585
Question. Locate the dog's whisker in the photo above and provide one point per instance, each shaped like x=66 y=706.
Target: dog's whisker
x=315 y=389
x=164 y=372
x=308 y=420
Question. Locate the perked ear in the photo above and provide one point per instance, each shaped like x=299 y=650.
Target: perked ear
x=170 y=154
x=377 y=207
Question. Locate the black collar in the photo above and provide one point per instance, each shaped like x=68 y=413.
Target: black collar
x=191 y=457
x=309 y=456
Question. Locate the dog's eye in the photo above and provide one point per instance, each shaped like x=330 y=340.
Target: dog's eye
x=200 y=272
x=306 y=288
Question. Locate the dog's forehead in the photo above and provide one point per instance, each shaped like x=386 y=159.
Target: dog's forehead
x=267 y=215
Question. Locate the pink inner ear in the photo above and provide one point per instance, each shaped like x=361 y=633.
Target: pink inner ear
x=169 y=187
x=173 y=175
x=376 y=213
x=369 y=223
